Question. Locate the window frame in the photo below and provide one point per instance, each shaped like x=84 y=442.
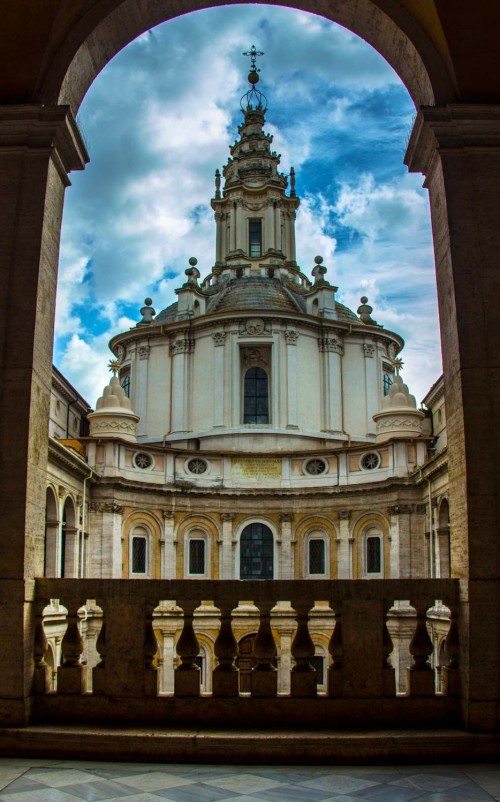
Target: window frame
x=375 y=534
x=140 y=531
x=247 y=370
x=275 y=561
x=255 y=221
x=191 y=535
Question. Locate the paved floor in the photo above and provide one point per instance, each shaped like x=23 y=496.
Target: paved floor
x=74 y=781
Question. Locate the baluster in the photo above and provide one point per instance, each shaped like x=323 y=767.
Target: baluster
x=41 y=675
x=264 y=677
x=99 y=673
x=225 y=675
x=451 y=672
x=150 y=650
x=72 y=675
x=303 y=676
x=388 y=672
x=187 y=675
x=420 y=675
x=335 y=649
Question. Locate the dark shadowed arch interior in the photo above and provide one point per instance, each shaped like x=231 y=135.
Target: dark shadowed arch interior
x=421 y=65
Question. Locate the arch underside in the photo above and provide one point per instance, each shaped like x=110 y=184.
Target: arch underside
x=391 y=30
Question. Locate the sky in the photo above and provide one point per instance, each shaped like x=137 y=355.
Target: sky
x=158 y=122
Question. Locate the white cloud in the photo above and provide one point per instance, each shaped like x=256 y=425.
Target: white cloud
x=159 y=120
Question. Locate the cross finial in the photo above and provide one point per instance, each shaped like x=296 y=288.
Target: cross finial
x=253 y=53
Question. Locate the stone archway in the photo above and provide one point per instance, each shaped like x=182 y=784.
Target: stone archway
x=421 y=62
x=455 y=145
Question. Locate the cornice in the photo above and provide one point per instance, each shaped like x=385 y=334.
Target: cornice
x=62 y=456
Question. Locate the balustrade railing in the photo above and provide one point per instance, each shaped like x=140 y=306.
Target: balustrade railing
x=355 y=625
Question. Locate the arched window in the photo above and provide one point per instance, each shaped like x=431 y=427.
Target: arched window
x=373 y=553
x=125 y=382
x=197 y=562
x=68 y=550
x=255 y=237
x=51 y=534
x=139 y=552
x=316 y=553
x=256 y=552
x=256 y=396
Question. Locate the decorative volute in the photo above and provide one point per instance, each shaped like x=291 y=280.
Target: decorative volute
x=114 y=416
x=399 y=416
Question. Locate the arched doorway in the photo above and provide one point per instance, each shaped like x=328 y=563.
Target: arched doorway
x=443 y=532
x=69 y=541
x=256 y=552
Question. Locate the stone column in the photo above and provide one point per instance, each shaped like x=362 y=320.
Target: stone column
x=219 y=338
x=112 y=548
x=291 y=338
x=39 y=146
x=330 y=348
x=286 y=571
x=141 y=385
x=457 y=147
x=372 y=381
x=344 y=567
x=240 y=239
x=393 y=573
x=218 y=237
x=180 y=349
x=291 y=254
x=168 y=656
x=169 y=551
x=269 y=243
x=227 y=562
x=285 y=661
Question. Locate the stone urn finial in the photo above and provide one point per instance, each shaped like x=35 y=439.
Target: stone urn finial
x=113 y=416
x=399 y=416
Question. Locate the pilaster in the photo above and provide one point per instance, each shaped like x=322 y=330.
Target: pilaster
x=287 y=568
x=344 y=566
x=169 y=550
x=227 y=562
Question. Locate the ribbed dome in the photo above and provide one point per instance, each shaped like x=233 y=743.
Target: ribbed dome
x=257 y=294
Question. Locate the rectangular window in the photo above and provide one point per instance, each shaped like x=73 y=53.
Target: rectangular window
x=373 y=556
x=139 y=546
x=197 y=557
x=316 y=556
x=255 y=237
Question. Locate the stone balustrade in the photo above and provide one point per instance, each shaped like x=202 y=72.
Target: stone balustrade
x=361 y=686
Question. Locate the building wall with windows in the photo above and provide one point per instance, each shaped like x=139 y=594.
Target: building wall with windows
x=255 y=429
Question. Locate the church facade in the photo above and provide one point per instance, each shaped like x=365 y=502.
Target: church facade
x=255 y=429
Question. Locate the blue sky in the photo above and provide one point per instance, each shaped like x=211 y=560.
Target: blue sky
x=158 y=122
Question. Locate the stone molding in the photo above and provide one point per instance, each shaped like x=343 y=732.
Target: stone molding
x=454 y=127
x=106 y=506
x=45 y=128
x=332 y=344
x=219 y=338
x=184 y=346
x=291 y=337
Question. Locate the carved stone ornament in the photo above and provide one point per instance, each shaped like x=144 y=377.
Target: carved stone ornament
x=344 y=515
x=369 y=350
x=219 y=337
x=168 y=515
x=181 y=347
x=333 y=344
x=143 y=351
x=391 y=351
x=120 y=352
x=253 y=357
x=254 y=325
x=291 y=337
x=111 y=425
x=286 y=517
x=106 y=506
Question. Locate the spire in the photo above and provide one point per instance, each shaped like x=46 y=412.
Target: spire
x=253 y=100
